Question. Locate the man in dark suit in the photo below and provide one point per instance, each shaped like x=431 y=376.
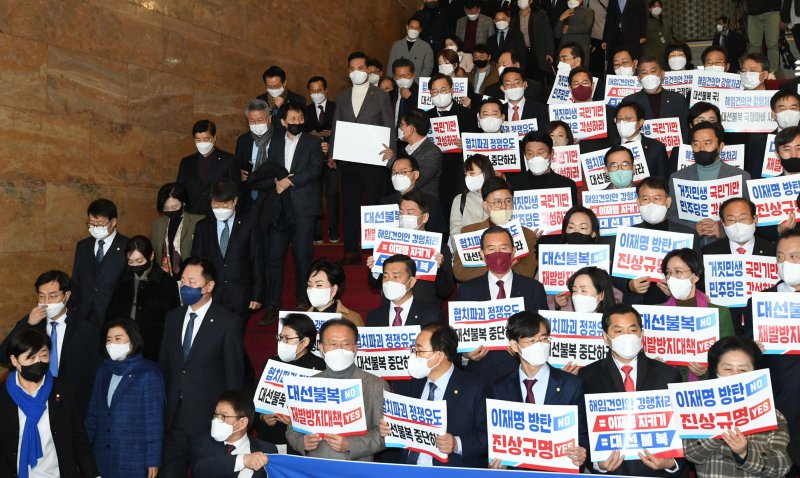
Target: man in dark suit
x=407 y=167
x=407 y=91
x=500 y=282
x=628 y=369
x=201 y=356
x=232 y=243
x=629 y=122
x=228 y=450
x=400 y=308
x=519 y=106
x=432 y=364
x=505 y=39
x=300 y=203
x=539 y=42
x=277 y=94
x=668 y=104
x=739 y=219
x=626 y=24
x=363 y=104
x=538 y=382
x=534 y=91
x=99 y=263
x=414 y=126
x=553 y=8
x=484 y=74
x=74 y=354
x=252 y=148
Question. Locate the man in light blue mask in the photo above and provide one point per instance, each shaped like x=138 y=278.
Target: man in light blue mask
x=619 y=167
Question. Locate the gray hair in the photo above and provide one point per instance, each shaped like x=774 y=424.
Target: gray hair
x=255 y=105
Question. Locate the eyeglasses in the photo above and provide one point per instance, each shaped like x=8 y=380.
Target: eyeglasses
x=404 y=172
x=715 y=63
x=512 y=84
x=678 y=273
x=339 y=345
x=222 y=417
x=285 y=338
x=615 y=166
x=89 y=224
x=545 y=339
x=501 y=202
x=416 y=351
x=441 y=90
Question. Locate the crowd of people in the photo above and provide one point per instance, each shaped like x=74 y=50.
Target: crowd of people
x=134 y=365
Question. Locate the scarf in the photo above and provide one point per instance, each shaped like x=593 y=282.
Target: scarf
x=124 y=367
x=261 y=143
x=33 y=408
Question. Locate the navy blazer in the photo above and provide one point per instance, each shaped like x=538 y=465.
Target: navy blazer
x=93 y=284
x=421 y=314
x=466 y=416
x=499 y=362
x=210 y=459
x=305 y=196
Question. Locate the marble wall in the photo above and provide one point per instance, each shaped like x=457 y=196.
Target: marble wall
x=98 y=97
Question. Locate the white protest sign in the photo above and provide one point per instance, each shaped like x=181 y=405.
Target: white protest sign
x=521 y=127
x=542 y=209
x=666 y=130
x=483 y=322
x=270 y=396
x=373 y=217
x=468 y=244
x=415 y=423
x=731 y=154
x=360 y=143
x=326 y=405
x=383 y=351
x=776 y=321
x=420 y=246
x=698 y=200
x=501 y=148
x=575 y=338
x=618 y=87
x=717 y=80
x=614 y=208
x=566 y=161
x=678 y=335
x=445 y=133
x=679 y=81
x=557 y=262
x=586 y=120
x=774 y=198
x=731 y=279
x=638 y=252
x=747 y=111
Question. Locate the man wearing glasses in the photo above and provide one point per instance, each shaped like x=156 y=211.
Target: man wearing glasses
x=619 y=167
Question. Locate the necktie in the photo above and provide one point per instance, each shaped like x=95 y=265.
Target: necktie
x=413 y=456
x=515 y=116
x=54 y=348
x=98 y=257
x=741 y=250
x=628 y=383
x=501 y=293
x=398 y=321
x=229 y=448
x=500 y=40
x=224 y=238
x=187 y=336
x=529 y=383
x=321 y=119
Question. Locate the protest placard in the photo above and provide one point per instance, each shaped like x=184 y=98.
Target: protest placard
x=501 y=148
x=270 y=396
x=575 y=338
x=731 y=154
x=445 y=134
x=771 y=166
x=614 y=208
x=360 y=143
x=638 y=252
x=326 y=405
x=731 y=279
x=586 y=120
x=415 y=423
x=716 y=80
x=424 y=102
x=747 y=111
x=420 y=246
x=698 y=200
x=468 y=244
x=776 y=321
x=557 y=262
x=707 y=408
x=383 y=351
x=521 y=127
x=483 y=322
x=542 y=209
x=666 y=130
x=566 y=161
x=532 y=436
x=678 y=335
x=373 y=217
x=774 y=198
x=630 y=422
x=618 y=87
x=679 y=81
x=594 y=166
x=561 y=92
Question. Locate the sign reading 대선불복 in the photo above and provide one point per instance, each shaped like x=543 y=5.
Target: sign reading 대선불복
x=771 y=166
x=557 y=263
x=384 y=351
x=731 y=279
x=415 y=423
x=270 y=395
x=575 y=338
x=420 y=246
x=776 y=321
x=542 y=209
x=482 y=322
x=638 y=252
x=372 y=217
x=326 y=405
x=678 y=335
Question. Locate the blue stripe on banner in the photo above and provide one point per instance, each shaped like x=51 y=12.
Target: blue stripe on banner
x=292 y=466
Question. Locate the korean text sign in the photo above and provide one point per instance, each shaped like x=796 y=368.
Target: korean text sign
x=678 y=335
x=587 y=120
x=373 y=217
x=732 y=278
x=270 y=396
x=542 y=209
x=468 y=244
x=415 y=423
x=594 y=166
x=776 y=321
x=638 y=252
x=501 y=148
x=445 y=133
x=614 y=208
x=326 y=405
x=774 y=197
x=557 y=262
x=575 y=338
x=483 y=322
x=383 y=351
x=420 y=246
x=698 y=200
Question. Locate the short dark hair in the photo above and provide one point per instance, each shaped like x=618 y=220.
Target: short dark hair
x=617 y=149
x=302 y=325
x=525 y=324
x=456 y=39
x=729 y=201
x=443 y=339
x=242 y=404
x=649 y=59
x=469 y=4
x=787 y=234
x=576 y=51
x=729 y=344
x=537 y=137
x=131 y=328
x=551 y=126
x=170 y=190
x=653 y=182
x=495 y=229
x=601 y=282
x=623 y=48
x=712 y=49
x=102 y=208
x=26 y=341
x=637 y=108
x=139 y=243
x=315 y=79
x=418 y=119
x=204 y=126
x=334 y=272
x=422 y=200
x=209 y=271
x=689 y=257
x=703 y=107
x=619 y=309
x=375 y=63
x=780 y=95
x=412 y=161
x=273 y=71
x=356 y=55
x=515 y=57
x=411 y=266
x=493 y=101
x=757 y=57
x=401 y=62
x=413 y=19
x=583 y=210
x=577 y=71
x=482 y=48
x=483 y=163
x=723 y=19
x=511 y=69
x=439 y=76
x=64 y=282
x=786 y=136
x=290 y=105
x=715 y=127
x=493 y=184
x=684 y=48
x=332 y=322
x=224 y=190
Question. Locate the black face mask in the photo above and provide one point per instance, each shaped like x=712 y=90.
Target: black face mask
x=577 y=238
x=481 y=63
x=295 y=129
x=174 y=214
x=34 y=372
x=791 y=165
x=139 y=269
x=705 y=158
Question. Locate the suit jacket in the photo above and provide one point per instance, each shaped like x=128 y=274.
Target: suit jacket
x=215 y=364
x=673 y=105
x=158 y=233
x=429 y=158
x=603 y=376
x=240 y=274
x=80 y=355
x=467 y=120
x=305 y=196
x=553 y=11
x=66 y=425
x=406 y=103
x=92 y=283
x=530 y=109
x=540 y=32
x=534 y=92
x=420 y=54
x=421 y=314
x=513 y=41
x=735 y=43
x=491 y=78
x=626 y=28
x=655 y=153
x=579 y=29
x=312 y=116
x=482 y=33
x=761 y=247
x=376 y=110
x=525 y=266
x=466 y=416
x=211 y=460
x=198 y=189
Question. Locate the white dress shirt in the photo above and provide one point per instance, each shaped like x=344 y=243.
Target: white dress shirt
x=520 y=106
x=542 y=378
x=106 y=243
x=633 y=364
x=748 y=246
x=201 y=313
x=494 y=289
x=324 y=105
x=288 y=150
x=403 y=313
x=61 y=330
x=47 y=466
x=221 y=227
x=242 y=447
x=438 y=394
x=413 y=147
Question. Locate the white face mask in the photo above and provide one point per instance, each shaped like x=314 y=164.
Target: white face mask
x=536 y=354
x=474 y=183
x=750 y=79
x=473 y=17
x=739 y=232
x=584 y=303
x=374 y=79
x=393 y=290
x=573 y=4
x=656 y=11
x=358 y=77
x=491 y=124
x=514 y=94
x=220 y=431
x=408 y=221
x=715 y=69
x=653 y=213
x=651 y=82
x=442 y=100
x=523 y=4
x=99 y=232
x=222 y=213
x=501 y=25
x=624 y=71
x=401 y=182
x=412 y=34
x=500 y=69
x=318 y=98
x=275 y=92
x=452 y=47
x=677 y=63
x=287 y=352
x=258 y=129
x=564 y=66
x=538 y=165
x=446 y=69
x=339 y=359
x=720 y=28
x=787 y=118
x=418 y=367
x=204 y=147
x=118 y=352
x=681 y=289
x=404 y=82
x=627 y=346
x=501 y=217
x=789 y=273
x=318 y=297
x=53 y=310
x=626 y=129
